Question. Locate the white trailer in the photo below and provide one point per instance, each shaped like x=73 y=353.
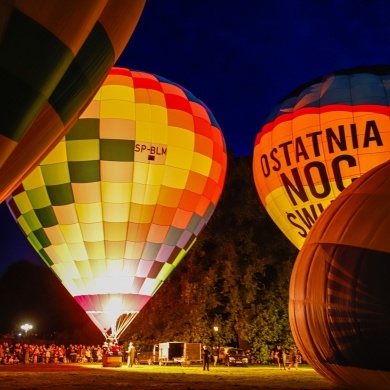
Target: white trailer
x=176 y=352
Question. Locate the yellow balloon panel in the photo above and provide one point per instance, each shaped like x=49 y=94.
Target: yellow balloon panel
x=95 y=250
x=89 y=212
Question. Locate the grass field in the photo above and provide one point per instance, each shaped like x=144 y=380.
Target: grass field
x=143 y=377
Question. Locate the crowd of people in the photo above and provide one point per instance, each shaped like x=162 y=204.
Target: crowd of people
x=52 y=353
x=78 y=353
x=281 y=356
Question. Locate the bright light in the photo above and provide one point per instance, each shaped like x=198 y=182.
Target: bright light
x=113 y=311
x=115 y=306
x=26 y=327
x=216 y=328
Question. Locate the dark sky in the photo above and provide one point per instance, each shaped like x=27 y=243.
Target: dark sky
x=240 y=58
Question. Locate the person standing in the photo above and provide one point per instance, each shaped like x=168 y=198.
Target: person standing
x=280 y=356
x=293 y=358
x=206 y=358
x=26 y=354
x=284 y=358
x=130 y=355
x=215 y=355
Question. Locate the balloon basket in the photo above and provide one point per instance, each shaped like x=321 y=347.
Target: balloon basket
x=112 y=360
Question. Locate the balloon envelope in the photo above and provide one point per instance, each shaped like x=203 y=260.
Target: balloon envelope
x=116 y=205
x=317 y=141
x=54 y=54
x=339 y=305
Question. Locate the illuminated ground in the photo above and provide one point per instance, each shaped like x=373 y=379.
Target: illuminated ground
x=143 y=377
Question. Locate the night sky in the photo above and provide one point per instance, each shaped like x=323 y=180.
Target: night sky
x=240 y=59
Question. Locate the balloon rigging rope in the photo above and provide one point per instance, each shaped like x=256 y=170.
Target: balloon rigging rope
x=123 y=322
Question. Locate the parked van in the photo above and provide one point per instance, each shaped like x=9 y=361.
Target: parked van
x=147 y=354
x=222 y=354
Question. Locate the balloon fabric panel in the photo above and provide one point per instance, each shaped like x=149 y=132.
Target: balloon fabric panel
x=50 y=69
x=125 y=197
x=339 y=300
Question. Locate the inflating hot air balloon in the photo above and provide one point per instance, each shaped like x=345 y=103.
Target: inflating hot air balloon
x=54 y=54
x=116 y=205
x=317 y=141
x=339 y=305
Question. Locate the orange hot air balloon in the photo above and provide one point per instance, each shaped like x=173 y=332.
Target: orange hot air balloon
x=339 y=305
x=120 y=200
x=54 y=56
x=317 y=141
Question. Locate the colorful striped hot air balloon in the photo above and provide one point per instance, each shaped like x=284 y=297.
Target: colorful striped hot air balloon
x=339 y=305
x=117 y=204
x=54 y=54
x=317 y=141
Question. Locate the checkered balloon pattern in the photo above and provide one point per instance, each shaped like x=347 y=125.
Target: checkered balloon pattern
x=117 y=204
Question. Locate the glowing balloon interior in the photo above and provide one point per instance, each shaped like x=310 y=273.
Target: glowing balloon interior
x=317 y=141
x=116 y=205
x=54 y=56
x=339 y=305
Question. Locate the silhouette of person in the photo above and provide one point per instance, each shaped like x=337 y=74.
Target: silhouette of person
x=130 y=355
x=206 y=358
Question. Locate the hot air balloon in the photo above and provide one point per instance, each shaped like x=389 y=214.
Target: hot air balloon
x=54 y=56
x=339 y=306
x=117 y=204
x=317 y=141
